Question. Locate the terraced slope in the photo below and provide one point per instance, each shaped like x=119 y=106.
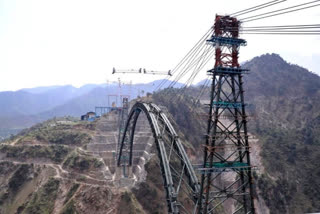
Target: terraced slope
x=66 y=166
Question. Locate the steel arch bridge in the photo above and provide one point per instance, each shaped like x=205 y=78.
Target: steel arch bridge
x=226 y=148
x=180 y=181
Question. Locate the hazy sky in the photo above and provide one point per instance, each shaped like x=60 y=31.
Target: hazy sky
x=57 y=42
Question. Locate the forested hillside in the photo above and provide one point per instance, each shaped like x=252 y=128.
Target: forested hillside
x=286 y=98
x=284 y=115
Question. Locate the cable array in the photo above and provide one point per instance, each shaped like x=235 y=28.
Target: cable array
x=280 y=11
x=195 y=60
x=258 y=7
x=312 y=29
x=182 y=67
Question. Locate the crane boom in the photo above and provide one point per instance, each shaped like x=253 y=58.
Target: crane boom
x=141 y=71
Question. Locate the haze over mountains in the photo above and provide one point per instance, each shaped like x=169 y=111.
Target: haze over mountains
x=284 y=118
x=270 y=76
x=23 y=108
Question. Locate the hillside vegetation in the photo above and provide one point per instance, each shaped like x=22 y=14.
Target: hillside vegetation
x=285 y=116
x=47 y=169
x=42 y=166
x=287 y=120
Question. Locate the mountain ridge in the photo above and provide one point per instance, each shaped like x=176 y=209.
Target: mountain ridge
x=284 y=118
x=26 y=107
x=23 y=108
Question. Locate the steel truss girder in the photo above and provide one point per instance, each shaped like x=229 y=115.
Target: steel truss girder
x=178 y=174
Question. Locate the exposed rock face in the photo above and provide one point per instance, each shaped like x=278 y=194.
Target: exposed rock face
x=76 y=177
x=105 y=142
x=67 y=166
x=80 y=177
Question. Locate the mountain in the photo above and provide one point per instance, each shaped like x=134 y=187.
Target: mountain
x=285 y=94
x=29 y=102
x=284 y=116
x=40 y=89
x=23 y=108
x=47 y=168
x=286 y=112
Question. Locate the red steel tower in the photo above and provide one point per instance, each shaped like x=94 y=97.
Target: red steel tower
x=226 y=179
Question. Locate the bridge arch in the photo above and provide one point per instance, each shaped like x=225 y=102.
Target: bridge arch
x=179 y=179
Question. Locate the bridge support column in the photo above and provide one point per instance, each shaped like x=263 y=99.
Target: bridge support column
x=123 y=172
x=129 y=172
x=118 y=173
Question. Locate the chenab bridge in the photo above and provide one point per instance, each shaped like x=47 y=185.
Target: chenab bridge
x=223 y=182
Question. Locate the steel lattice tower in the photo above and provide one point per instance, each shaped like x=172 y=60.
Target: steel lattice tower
x=226 y=180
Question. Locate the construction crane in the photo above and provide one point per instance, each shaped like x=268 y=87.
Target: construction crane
x=141 y=71
x=116 y=99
